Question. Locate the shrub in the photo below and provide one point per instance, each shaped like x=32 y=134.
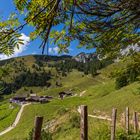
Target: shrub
x=133 y=75
x=75 y=121
x=123 y=136
x=45 y=135
x=101 y=133
x=121 y=81
x=129 y=72
x=62 y=111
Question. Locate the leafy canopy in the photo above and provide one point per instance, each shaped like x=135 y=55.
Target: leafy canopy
x=9 y=38
x=108 y=25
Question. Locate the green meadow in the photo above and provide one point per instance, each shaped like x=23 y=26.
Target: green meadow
x=100 y=95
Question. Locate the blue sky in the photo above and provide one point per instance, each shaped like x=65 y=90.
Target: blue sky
x=6 y=7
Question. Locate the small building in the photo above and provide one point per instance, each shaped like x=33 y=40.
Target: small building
x=64 y=94
x=33 y=95
x=48 y=97
x=69 y=94
x=33 y=99
x=19 y=99
x=43 y=100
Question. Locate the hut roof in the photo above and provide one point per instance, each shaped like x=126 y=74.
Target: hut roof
x=33 y=95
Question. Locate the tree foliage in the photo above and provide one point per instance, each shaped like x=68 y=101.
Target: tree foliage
x=16 y=74
x=108 y=25
x=9 y=38
x=130 y=71
x=89 y=67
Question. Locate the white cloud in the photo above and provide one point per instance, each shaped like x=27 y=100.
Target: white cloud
x=17 y=51
x=34 y=53
x=54 y=50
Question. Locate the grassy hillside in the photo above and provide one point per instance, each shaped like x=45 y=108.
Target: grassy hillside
x=23 y=74
x=99 y=93
x=15 y=67
x=96 y=100
x=8 y=113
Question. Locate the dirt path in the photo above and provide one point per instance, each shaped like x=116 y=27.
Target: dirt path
x=97 y=117
x=16 y=120
x=82 y=93
x=53 y=124
x=107 y=118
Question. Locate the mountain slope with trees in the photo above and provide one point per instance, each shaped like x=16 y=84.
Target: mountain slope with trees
x=100 y=95
x=41 y=71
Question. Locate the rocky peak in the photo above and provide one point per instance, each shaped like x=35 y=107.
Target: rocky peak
x=84 y=57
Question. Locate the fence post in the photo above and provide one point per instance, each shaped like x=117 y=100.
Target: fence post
x=127 y=120
x=84 y=123
x=113 y=123
x=136 y=122
x=37 y=129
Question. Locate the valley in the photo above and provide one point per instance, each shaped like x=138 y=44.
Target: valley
x=98 y=92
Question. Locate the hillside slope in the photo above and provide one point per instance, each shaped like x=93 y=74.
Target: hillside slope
x=98 y=92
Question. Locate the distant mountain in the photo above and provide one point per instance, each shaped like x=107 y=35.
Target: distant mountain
x=84 y=57
x=44 y=58
x=29 y=71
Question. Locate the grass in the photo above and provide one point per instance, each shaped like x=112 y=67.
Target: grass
x=49 y=111
x=95 y=99
x=75 y=81
x=100 y=95
x=7 y=115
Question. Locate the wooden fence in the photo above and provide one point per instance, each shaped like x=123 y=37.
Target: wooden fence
x=84 y=123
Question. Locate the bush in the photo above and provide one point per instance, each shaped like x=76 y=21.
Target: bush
x=62 y=111
x=133 y=75
x=129 y=72
x=126 y=77
x=101 y=133
x=45 y=135
x=123 y=136
x=75 y=121
x=121 y=81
